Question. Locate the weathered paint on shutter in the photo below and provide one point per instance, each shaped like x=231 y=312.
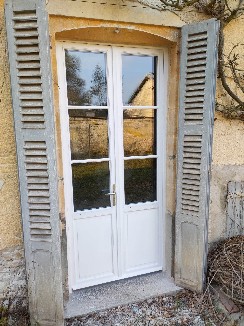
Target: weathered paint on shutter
x=28 y=45
x=196 y=112
x=235 y=209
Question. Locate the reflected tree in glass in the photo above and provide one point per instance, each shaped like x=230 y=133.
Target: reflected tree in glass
x=99 y=87
x=86 y=78
x=76 y=90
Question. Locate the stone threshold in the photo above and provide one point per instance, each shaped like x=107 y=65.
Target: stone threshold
x=114 y=294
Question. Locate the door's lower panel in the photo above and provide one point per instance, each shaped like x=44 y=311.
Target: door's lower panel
x=142 y=241
x=95 y=250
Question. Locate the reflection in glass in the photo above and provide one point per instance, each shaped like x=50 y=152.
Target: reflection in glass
x=90 y=185
x=140 y=181
x=88 y=133
x=139 y=132
x=86 y=78
x=138 y=78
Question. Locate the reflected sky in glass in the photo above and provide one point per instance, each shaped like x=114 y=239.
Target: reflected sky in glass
x=135 y=69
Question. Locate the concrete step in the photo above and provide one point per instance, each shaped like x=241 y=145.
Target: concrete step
x=114 y=294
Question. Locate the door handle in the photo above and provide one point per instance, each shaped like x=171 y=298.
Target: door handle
x=112 y=194
x=114 y=197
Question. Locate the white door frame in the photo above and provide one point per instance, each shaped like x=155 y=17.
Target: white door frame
x=162 y=77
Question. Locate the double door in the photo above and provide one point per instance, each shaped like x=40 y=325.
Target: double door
x=113 y=133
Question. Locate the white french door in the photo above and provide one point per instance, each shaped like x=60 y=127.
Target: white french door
x=113 y=104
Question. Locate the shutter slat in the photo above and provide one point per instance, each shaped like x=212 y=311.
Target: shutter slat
x=192 y=57
x=29 y=73
x=25 y=33
x=193 y=63
x=27 y=41
x=30 y=89
x=30 y=80
x=41 y=226
x=190 y=192
x=196 y=81
x=198 y=68
x=27 y=58
x=191 y=93
x=197 y=51
x=198 y=44
x=196 y=74
x=197 y=37
x=25 y=24
x=30 y=104
x=195 y=87
x=192 y=100
x=197 y=99
x=28 y=50
x=197 y=105
x=23 y=18
x=38 y=186
x=29 y=65
x=30 y=96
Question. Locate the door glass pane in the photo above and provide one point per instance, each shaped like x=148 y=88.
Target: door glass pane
x=138 y=79
x=86 y=78
x=90 y=185
x=140 y=181
x=88 y=133
x=139 y=132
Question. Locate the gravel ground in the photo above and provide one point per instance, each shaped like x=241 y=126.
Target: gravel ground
x=181 y=309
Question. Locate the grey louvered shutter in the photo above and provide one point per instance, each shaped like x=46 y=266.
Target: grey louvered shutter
x=196 y=112
x=31 y=82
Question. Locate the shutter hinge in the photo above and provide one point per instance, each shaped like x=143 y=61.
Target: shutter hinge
x=62 y=223
x=50 y=42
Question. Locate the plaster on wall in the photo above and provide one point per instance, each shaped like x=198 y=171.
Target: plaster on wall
x=228 y=144
x=114 y=10
x=10 y=223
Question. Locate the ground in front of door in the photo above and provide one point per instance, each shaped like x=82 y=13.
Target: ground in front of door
x=184 y=308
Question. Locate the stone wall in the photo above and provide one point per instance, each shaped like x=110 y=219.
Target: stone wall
x=12 y=273
x=13 y=286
